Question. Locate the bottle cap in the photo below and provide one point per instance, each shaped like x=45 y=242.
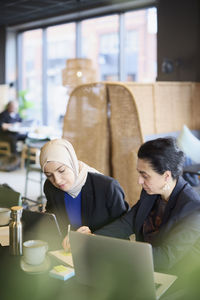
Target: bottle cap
x=16 y=210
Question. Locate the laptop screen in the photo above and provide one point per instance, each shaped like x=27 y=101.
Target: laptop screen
x=42 y=226
x=119 y=268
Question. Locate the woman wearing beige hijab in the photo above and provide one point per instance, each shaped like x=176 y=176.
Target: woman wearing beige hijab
x=76 y=193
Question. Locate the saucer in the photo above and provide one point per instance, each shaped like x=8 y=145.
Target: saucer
x=35 y=269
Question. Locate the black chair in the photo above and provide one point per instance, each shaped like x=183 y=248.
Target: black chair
x=191 y=173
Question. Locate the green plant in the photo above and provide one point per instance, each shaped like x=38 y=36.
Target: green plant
x=24 y=104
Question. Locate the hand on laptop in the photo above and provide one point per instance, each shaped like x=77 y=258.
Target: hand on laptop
x=65 y=242
x=84 y=229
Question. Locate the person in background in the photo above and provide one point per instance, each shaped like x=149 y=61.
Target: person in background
x=8 y=118
x=76 y=193
x=167 y=214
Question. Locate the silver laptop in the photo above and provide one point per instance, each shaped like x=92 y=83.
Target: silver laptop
x=118 y=269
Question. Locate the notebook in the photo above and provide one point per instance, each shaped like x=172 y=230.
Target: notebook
x=42 y=226
x=119 y=269
x=63 y=256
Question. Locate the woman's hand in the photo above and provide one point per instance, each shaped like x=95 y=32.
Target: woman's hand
x=6 y=126
x=84 y=229
x=66 y=244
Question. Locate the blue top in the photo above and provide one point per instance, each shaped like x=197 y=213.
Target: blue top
x=73 y=208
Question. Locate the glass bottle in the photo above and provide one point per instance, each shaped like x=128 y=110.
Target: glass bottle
x=15 y=230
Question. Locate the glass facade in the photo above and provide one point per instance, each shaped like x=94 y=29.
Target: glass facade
x=60 y=47
x=100 y=42
x=140 y=45
x=32 y=71
x=121 y=46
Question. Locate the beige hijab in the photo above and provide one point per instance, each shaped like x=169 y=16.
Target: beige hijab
x=60 y=150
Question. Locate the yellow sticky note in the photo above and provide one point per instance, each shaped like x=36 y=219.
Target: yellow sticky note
x=65 y=253
x=60 y=268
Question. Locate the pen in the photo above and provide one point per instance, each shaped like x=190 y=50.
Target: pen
x=68 y=230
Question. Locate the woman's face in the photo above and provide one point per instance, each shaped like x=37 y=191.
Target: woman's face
x=151 y=181
x=59 y=175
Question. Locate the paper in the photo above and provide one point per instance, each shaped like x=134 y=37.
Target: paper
x=4 y=235
x=61 y=255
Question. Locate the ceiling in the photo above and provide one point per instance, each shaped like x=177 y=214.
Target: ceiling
x=15 y=12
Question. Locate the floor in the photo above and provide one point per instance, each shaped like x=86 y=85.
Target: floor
x=16 y=180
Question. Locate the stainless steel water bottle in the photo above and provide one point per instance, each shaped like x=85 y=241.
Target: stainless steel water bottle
x=15 y=230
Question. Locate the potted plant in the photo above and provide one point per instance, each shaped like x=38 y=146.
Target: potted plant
x=24 y=104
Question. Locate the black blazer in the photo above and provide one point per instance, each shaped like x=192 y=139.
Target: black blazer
x=5 y=117
x=102 y=201
x=179 y=233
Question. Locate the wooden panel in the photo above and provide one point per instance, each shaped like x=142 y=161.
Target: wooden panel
x=196 y=105
x=108 y=141
x=126 y=138
x=85 y=125
x=173 y=106
x=144 y=98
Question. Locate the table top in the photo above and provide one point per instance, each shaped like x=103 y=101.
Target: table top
x=37 y=133
x=18 y=284
x=19 y=129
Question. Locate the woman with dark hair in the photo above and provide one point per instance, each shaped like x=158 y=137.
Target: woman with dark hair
x=167 y=214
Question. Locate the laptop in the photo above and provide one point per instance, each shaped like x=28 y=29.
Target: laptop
x=118 y=269
x=42 y=226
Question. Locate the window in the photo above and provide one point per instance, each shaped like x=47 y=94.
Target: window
x=60 y=47
x=32 y=70
x=98 y=39
x=140 y=45
x=100 y=42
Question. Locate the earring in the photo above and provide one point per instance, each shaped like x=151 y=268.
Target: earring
x=166 y=187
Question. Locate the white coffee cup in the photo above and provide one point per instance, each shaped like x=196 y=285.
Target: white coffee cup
x=4 y=216
x=34 y=251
